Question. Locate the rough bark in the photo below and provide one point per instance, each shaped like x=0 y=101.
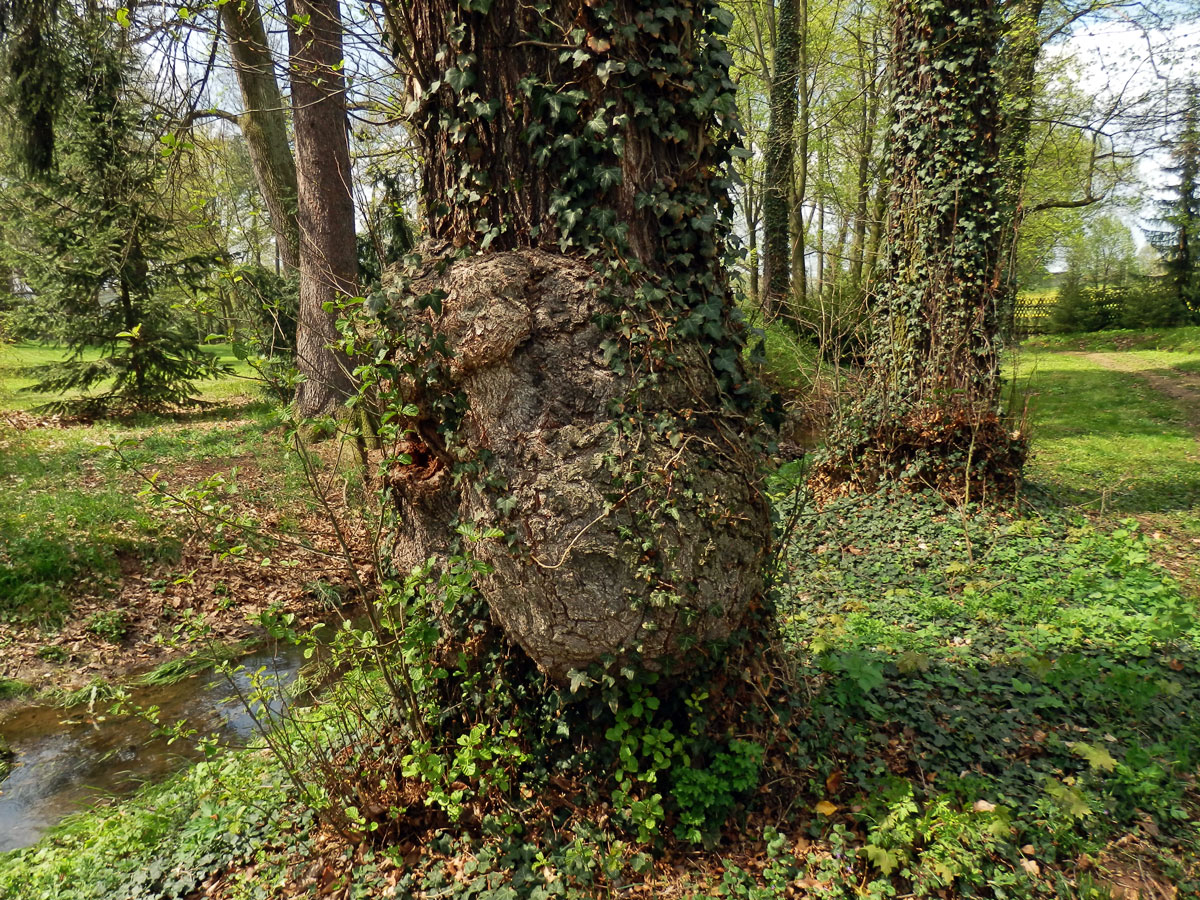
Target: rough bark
x=626 y=539
x=779 y=157
x=263 y=123
x=526 y=355
x=325 y=205
x=946 y=193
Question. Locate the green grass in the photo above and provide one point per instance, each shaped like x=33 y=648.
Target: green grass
x=16 y=357
x=69 y=517
x=1106 y=439
x=11 y=688
x=1186 y=339
x=792 y=363
x=176 y=670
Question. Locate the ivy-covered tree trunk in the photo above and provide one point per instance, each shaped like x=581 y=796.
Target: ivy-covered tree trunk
x=592 y=407
x=779 y=156
x=932 y=411
x=263 y=123
x=325 y=206
x=1022 y=47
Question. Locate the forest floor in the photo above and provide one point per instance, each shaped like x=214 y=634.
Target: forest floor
x=112 y=556
x=988 y=703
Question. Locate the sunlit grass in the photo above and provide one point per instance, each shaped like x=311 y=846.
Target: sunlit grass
x=14 y=358
x=1107 y=439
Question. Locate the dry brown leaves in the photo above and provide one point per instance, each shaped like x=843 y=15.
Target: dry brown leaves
x=228 y=592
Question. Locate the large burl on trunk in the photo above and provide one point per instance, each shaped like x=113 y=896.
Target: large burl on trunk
x=577 y=157
x=597 y=569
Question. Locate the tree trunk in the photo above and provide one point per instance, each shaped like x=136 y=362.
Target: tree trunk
x=866 y=148
x=750 y=213
x=1023 y=48
x=325 y=206
x=822 y=183
x=878 y=216
x=588 y=324
x=263 y=123
x=779 y=157
x=934 y=363
x=799 y=294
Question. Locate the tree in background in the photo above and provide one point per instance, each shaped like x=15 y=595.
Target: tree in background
x=32 y=54
x=779 y=153
x=328 y=250
x=263 y=123
x=95 y=242
x=931 y=411
x=1176 y=236
x=1101 y=268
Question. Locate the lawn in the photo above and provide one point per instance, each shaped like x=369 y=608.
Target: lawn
x=14 y=358
x=1107 y=440
x=80 y=538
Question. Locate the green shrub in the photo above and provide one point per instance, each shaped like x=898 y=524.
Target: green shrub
x=1085 y=308
x=112 y=625
x=1153 y=306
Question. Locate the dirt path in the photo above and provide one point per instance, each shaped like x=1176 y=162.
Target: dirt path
x=1182 y=387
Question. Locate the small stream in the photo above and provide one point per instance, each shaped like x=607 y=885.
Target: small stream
x=67 y=759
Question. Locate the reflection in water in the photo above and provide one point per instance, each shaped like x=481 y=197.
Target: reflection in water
x=68 y=759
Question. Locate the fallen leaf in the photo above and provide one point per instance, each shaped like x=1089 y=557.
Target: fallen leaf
x=826 y=808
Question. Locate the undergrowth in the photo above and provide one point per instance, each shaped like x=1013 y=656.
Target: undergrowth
x=990 y=704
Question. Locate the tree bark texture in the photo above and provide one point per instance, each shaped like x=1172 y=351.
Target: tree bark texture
x=779 y=156
x=937 y=328
x=325 y=205
x=933 y=367
x=580 y=154
x=263 y=123
x=575 y=588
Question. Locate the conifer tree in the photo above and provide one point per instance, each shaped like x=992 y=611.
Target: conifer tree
x=1176 y=236
x=95 y=241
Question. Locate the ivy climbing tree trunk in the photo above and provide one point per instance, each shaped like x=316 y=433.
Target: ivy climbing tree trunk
x=779 y=157
x=932 y=409
x=263 y=123
x=592 y=407
x=325 y=205
x=1022 y=49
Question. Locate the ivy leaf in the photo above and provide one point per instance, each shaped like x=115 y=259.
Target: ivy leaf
x=1097 y=757
x=886 y=860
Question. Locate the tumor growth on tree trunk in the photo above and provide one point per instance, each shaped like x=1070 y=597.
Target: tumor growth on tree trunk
x=579 y=388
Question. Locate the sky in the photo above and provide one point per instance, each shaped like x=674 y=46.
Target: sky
x=1121 y=59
